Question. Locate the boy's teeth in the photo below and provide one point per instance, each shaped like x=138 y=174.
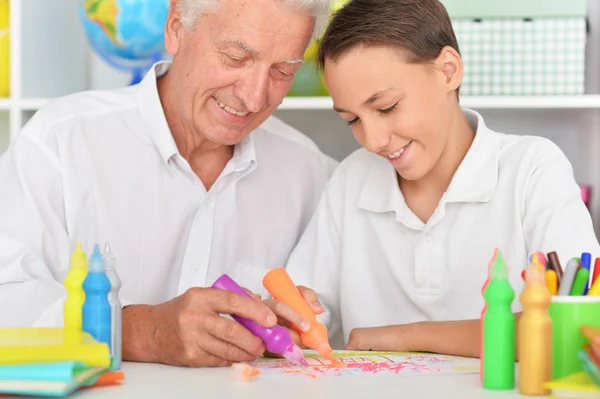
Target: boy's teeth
x=399 y=152
x=231 y=110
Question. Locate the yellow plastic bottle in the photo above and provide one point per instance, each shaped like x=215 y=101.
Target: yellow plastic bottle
x=535 y=334
x=4 y=49
x=75 y=293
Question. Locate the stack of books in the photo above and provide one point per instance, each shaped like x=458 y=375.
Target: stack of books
x=52 y=361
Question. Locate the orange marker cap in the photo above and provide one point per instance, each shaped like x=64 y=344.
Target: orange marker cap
x=280 y=285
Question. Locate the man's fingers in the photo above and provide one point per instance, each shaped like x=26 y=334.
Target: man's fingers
x=225 y=302
x=239 y=344
x=253 y=295
x=312 y=298
x=209 y=360
x=226 y=351
x=284 y=311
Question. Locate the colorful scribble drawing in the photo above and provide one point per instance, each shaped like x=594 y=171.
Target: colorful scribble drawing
x=348 y=363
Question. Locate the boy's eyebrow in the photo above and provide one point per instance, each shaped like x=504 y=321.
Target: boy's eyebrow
x=250 y=50
x=376 y=96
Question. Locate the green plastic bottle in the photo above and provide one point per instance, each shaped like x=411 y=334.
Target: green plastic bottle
x=498 y=371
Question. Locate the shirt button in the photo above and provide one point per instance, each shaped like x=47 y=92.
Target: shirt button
x=195 y=266
x=428 y=240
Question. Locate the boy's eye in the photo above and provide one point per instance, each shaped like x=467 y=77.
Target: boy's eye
x=388 y=110
x=353 y=121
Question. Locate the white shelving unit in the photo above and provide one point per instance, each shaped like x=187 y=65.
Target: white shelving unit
x=480 y=103
x=325 y=103
x=50 y=57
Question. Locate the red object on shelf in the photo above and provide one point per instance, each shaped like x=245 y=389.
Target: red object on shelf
x=586 y=194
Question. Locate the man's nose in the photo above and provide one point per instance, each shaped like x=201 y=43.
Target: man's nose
x=252 y=90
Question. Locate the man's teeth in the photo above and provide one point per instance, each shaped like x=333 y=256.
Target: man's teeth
x=231 y=110
x=398 y=153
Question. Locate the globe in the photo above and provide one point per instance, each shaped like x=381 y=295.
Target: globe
x=127 y=34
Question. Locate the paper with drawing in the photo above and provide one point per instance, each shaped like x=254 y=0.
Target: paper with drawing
x=354 y=363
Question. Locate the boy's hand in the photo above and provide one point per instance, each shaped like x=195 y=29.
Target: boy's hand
x=288 y=316
x=385 y=338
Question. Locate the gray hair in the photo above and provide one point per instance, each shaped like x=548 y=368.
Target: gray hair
x=191 y=10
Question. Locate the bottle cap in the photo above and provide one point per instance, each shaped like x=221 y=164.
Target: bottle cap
x=96 y=260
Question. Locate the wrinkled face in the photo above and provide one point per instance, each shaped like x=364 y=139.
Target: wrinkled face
x=236 y=66
x=398 y=110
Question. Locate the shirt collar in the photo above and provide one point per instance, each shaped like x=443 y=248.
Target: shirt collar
x=474 y=181
x=244 y=154
x=155 y=122
x=152 y=113
x=476 y=178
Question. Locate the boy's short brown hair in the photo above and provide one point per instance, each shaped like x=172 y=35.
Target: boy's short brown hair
x=420 y=29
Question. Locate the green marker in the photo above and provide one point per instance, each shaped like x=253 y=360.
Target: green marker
x=581 y=280
x=498 y=357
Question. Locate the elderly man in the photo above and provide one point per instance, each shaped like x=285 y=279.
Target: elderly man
x=186 y=174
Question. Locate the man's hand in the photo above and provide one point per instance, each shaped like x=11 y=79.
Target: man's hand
x=189 y=330
x=288 y=316
x=387 y=338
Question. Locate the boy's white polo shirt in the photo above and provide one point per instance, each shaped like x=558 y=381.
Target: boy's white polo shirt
x=373 y=262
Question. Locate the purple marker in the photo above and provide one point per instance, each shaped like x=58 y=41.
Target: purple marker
x=276 y=339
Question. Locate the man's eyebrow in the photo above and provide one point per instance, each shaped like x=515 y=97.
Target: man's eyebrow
x=250 y=50
x=296 y=61
x=242 y=45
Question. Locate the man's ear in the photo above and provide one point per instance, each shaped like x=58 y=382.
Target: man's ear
x=173 y=29
x=450 y=64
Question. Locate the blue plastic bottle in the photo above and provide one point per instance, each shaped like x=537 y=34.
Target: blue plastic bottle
x=96 y=309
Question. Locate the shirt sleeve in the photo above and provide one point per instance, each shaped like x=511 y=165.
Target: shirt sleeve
x=34 y=247
x=555 y=217
x=315 y=262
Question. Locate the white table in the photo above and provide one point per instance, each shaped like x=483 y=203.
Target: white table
x=165 y=382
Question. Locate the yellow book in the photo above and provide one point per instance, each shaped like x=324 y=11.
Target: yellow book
x=42 y=345
x=578 y=385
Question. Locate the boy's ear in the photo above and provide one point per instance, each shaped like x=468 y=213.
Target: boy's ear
x=450 y=64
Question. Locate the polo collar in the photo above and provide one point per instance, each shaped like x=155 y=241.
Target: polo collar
x=476 y=178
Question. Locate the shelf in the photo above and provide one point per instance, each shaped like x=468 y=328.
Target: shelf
x=483 y=102
x=32 y=104
x=324 y=103
x=589 y=101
